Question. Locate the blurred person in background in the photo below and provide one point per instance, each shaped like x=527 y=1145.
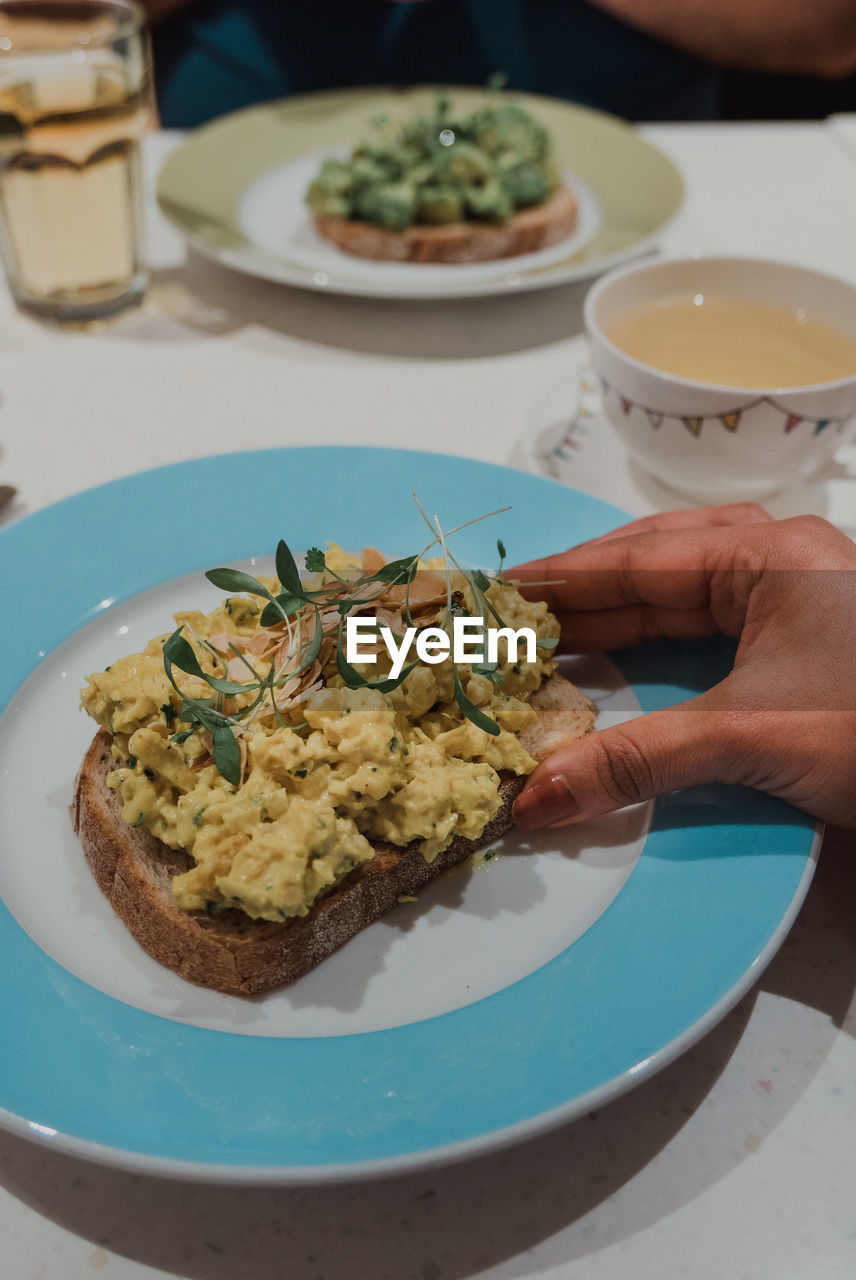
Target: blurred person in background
x=640 y=59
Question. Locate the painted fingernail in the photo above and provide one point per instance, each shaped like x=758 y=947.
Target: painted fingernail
x=543 y=802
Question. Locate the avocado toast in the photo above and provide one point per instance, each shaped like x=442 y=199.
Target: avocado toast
x=446 y=188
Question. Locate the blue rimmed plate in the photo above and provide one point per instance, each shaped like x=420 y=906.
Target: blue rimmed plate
x=509 y=998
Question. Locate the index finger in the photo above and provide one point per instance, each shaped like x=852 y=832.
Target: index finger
x=670 y=569
x=723 y=514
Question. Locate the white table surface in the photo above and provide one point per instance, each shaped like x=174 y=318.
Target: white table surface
x=738 y=1159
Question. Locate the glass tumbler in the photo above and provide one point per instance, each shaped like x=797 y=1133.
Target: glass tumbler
x=75 y=98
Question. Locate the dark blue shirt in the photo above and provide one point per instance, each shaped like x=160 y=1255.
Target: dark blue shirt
x=218 y=55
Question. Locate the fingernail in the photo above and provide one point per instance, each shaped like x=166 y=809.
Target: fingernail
x=543 y=802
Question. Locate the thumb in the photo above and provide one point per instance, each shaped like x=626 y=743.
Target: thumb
x=693 y=742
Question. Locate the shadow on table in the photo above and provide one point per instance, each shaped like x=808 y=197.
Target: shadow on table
x=542 y=1194
x=207 y=299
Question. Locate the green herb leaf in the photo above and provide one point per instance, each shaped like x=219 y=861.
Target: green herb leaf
x=314 y=646
x=237 y=580
x=387 y=686
x=281 y=607
x=287 y=572
x=357 y=602
x=226 y=753
x=229 y=687
x=549 y=643
x=470 y=710
x=199 y=712
x=398 y=571
x=482 y=601
x=177 y=652
x=490 y=671
x=492 y=610
x=316 y=561
x=280 y=719
x=349 y=674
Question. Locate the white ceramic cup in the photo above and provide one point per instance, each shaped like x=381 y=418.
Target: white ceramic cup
x=717 y=443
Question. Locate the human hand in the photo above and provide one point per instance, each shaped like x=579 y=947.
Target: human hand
x=783 y=720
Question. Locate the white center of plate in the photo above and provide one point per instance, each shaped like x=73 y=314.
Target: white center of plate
x=472 y=932
x=274 y=216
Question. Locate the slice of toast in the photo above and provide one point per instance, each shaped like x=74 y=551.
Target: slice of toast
x=525 y=232
x=230 y=951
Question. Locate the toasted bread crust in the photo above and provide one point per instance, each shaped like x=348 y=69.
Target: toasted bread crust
x=229 y=951
x=531 y=229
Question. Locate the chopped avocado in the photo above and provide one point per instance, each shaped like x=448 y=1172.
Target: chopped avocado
x=439 y=205
x=334 y=178
x=509 y=128
x=373 y=169
x=328 y=193
x=335 y=207
x=441 y=169
x=462 y=163
x=490 y=201
x=526 y=184
x=392 y=205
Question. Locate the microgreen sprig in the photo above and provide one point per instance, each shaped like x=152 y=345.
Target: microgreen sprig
x=295 y=605
x=205 y=713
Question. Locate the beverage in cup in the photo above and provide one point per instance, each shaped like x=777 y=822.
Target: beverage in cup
x=75 y=98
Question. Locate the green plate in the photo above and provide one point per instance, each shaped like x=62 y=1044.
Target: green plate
x=235 y=189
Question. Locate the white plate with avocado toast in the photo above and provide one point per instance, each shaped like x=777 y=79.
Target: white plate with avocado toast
x=236 y=188
x=520 y=995
x=273 y=215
